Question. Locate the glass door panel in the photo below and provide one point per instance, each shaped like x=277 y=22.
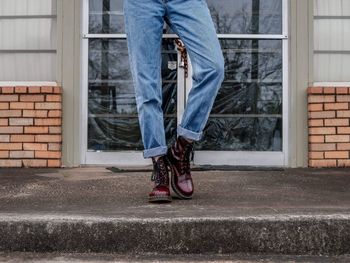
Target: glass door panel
x=247 y=125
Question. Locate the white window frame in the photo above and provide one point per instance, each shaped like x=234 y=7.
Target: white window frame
x=235 y=158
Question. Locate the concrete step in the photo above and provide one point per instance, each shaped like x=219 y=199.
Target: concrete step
x=154 y=258
x=280 y=234
x=294 y=211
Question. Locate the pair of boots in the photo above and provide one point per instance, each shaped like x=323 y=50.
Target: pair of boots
x=177 y=161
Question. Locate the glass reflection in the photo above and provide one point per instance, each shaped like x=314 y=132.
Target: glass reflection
x=112 y=122
x=229 y=16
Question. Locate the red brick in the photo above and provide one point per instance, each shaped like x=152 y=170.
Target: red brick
x=32 y=97
x=48 y=154
x=315 y=122
x=34 y=163
x=46 y=89
x=316 y=138
x=315 y=106
x=341 y=90
x=21 y=154
x=53 y=98
x=35 y=113
x=343 y=98
x=343 y=163
x=54 y=163
x=48 y=122
x=4 y=154
x=4 y=122
x=57 y=90
x=36 y=130
x=9 y=97
x=4 y=138
x=321 y=114
x=10 y=146
x=336 y=106
x=10 y=113
x=21 y=105
x=35 y=146
x=48 y=138
x=33 y=89
x=337 y=138
x=343 y=114
x=343 y=130
x=20 y=89
x=343 y=146
x=55 y=129
x=316 y=155
x=47 y=105
x=10 y=130
x=321 y=98
x=22 y=138
x=21 y=121
x=7 y=89
x=322 y=163
x=322 y=130
x=336 y=122
x=336 y=155
x=315 y=90
x=4 y=105
x=55 y=113
x=316 y=147
x=54 y=146
x=10 y=163
x=329 y=90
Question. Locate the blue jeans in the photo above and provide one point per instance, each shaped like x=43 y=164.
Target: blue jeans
x=191 y=21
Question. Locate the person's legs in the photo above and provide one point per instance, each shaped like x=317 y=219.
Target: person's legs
x=191 y=21
x=144 y=27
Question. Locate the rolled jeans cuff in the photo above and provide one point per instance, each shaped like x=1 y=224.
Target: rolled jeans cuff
x=191 y=135
x=161 y=150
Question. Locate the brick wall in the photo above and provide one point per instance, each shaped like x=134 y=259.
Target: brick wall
x=329 y=126
x=30 y=126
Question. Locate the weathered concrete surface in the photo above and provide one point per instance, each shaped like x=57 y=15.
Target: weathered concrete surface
x=154 y=258
x=296 y=211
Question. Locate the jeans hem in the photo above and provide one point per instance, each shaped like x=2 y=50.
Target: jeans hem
x=191 y=135
x=161 y=150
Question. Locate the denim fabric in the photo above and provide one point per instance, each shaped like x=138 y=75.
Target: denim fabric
x=191 y=21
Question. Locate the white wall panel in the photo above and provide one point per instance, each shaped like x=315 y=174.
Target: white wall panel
x=332 y=34
x=331 y=40
x=332 y=8
x=27 y=66
x=27 y=7
x=28 y=40
x=28 y=33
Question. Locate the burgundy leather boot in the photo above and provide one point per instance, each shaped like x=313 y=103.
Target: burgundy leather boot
x=160 y=176
x=179 y=156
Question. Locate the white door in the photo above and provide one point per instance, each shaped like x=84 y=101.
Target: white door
x=245 y=126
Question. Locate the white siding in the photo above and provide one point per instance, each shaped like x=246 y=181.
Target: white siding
x=332 y=40
x=28 y=40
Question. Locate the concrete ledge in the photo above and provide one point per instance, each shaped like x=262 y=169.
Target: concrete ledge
x=282 y=234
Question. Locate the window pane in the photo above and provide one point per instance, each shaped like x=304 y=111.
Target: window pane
x=247 y=112
x=113 y=120
x=246 y=16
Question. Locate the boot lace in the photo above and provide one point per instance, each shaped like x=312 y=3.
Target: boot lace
x=160 y=172
x=186 y=158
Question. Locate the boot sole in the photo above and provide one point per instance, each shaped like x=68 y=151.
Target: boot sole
x=173 y=186
x=160 y=199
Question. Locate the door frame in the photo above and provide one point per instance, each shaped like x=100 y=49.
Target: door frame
x=135 y=158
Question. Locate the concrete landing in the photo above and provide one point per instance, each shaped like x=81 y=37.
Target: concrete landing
x=295 y=211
